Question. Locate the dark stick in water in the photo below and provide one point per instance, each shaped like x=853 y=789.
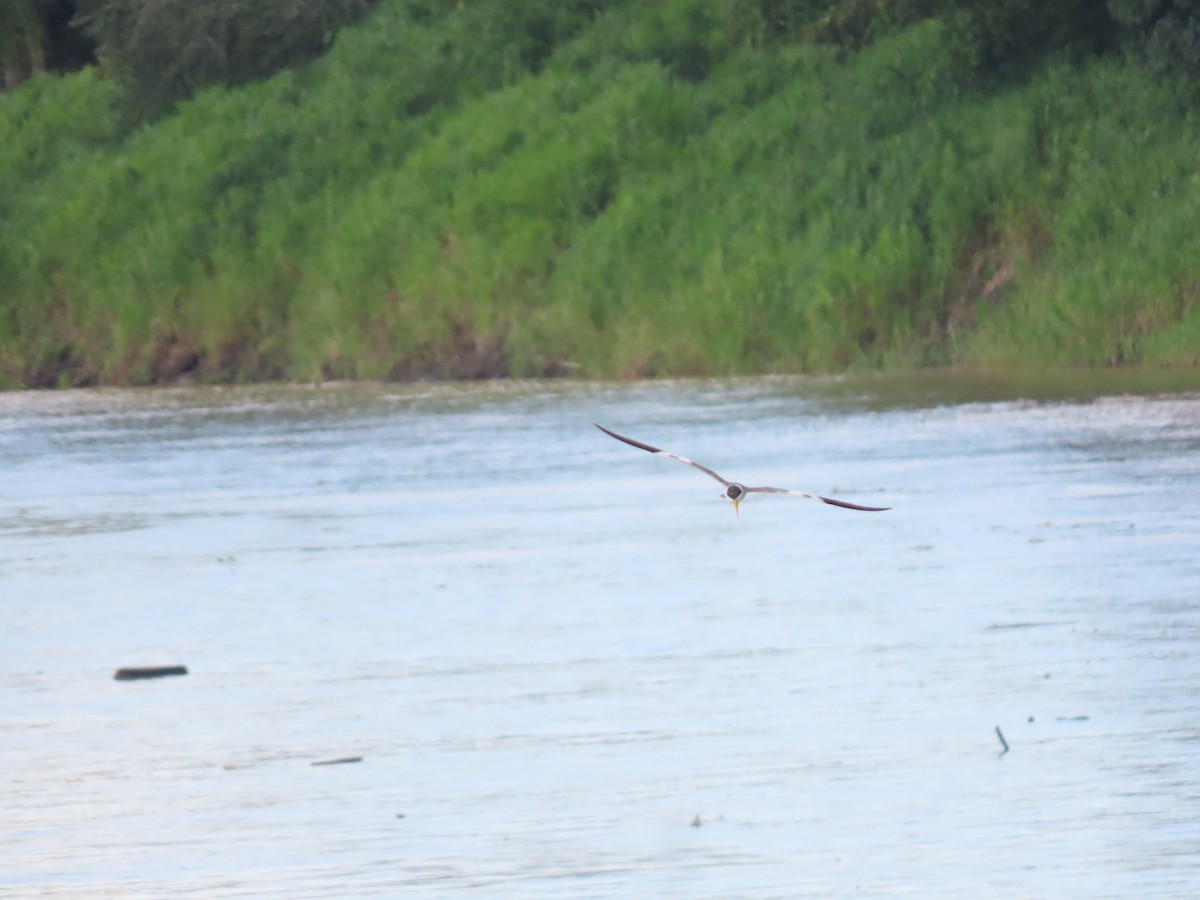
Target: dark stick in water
x=1003 y=742
x=137 y=673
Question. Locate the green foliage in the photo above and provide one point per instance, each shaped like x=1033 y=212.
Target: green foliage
x=163 y=51
x=1166 y=32
x=466 y=190
x=1111 y=275
x=1003 y=37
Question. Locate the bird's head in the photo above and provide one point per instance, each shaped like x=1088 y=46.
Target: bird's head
x=734 y=494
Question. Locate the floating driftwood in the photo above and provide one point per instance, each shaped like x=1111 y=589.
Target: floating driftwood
x=138 y=672
x=338 y=761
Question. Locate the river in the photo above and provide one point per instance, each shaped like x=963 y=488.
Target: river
x=561 y=666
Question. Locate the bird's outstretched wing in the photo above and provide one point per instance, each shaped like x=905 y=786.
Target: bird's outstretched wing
x=675 y=456
x=808 y=496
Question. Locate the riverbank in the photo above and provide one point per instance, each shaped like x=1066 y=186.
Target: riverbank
x=606 y=212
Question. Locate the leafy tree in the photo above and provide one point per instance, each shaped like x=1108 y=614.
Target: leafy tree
x=847 y=24
x=163 y=51
x=36 y=36
x=994 y=38
x=21 y=39
x=1167 y=32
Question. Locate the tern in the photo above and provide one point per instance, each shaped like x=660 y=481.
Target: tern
x=735 y=492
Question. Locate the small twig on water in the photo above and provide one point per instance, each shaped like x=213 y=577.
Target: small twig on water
x=341 y=760
x=1003 y=742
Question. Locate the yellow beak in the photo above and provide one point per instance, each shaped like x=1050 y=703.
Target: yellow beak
x=735 y=507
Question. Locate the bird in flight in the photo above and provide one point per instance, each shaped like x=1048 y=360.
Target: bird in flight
x=734 y=491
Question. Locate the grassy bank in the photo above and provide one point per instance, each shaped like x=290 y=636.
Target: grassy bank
x=629 y=196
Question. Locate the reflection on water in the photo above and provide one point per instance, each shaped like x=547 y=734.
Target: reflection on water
x=570 y=670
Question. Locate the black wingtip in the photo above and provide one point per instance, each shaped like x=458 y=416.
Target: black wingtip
x=630 y=441
x=844 y=505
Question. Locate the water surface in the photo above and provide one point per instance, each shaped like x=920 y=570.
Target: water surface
x=571 y=671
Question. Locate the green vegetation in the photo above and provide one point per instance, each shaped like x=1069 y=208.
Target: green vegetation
x=611 y=188
x=163 y=51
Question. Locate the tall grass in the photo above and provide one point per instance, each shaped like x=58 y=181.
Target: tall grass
x=431 y=199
